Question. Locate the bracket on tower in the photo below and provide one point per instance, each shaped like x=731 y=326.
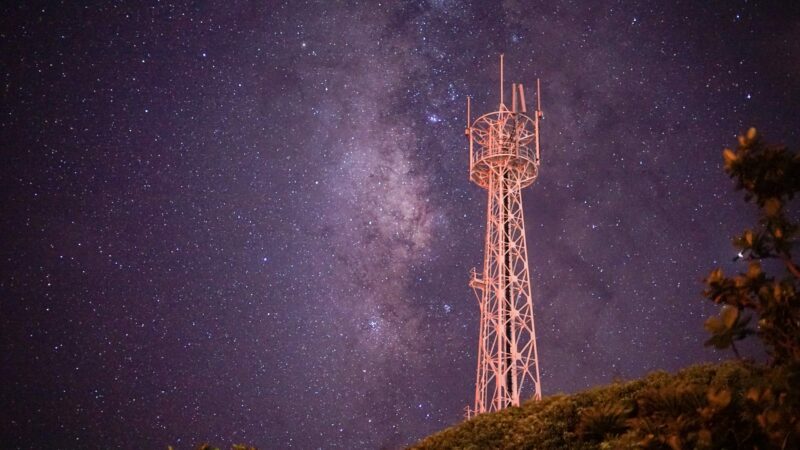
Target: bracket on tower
x=474 y=281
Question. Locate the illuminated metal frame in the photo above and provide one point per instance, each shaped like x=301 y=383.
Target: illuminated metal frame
x=505 y=160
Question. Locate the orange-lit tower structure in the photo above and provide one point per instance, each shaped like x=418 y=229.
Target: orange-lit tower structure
x=503 y=159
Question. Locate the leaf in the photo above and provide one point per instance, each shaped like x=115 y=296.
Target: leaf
x=715 y=276
x=729 y=315
x=674 y=442
x=753 y=270
x=751 y=134
x=730 y=157
x=772 y=207
x=742 y=141
x=719 y=398
x=777 y=291
x=714 y=325
x=753 y=394
x=704 y=437
x=772 y=417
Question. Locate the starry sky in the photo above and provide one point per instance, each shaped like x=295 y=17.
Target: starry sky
x=251 y=221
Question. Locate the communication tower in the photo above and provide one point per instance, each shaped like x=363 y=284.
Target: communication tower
x=503 y=159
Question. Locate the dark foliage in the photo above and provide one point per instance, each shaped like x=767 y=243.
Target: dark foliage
x=732 y=405
x=770 y=177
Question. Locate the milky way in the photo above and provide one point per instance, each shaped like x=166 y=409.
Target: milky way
x=252 y=222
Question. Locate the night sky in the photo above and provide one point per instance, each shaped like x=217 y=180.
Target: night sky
x=251 y=221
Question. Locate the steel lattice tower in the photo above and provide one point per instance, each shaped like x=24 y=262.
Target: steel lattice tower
x=505 y=160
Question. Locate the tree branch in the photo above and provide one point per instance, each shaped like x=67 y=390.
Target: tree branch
x=791 y=266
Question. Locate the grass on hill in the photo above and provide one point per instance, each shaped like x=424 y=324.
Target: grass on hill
x=705 y=406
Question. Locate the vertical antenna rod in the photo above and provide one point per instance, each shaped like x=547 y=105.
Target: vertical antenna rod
x=468 y=132
x=468 y=114
x=538 y=115
x=501 y=79
x=538 y=99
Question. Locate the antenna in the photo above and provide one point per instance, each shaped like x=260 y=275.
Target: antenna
x=468 y=133
x=468 y=114
x=537 y=116
x=513 y=97
x=522 y=99
x=501 y=78
x=538 y=100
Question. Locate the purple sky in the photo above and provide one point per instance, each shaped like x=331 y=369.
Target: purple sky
x=252 y=222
